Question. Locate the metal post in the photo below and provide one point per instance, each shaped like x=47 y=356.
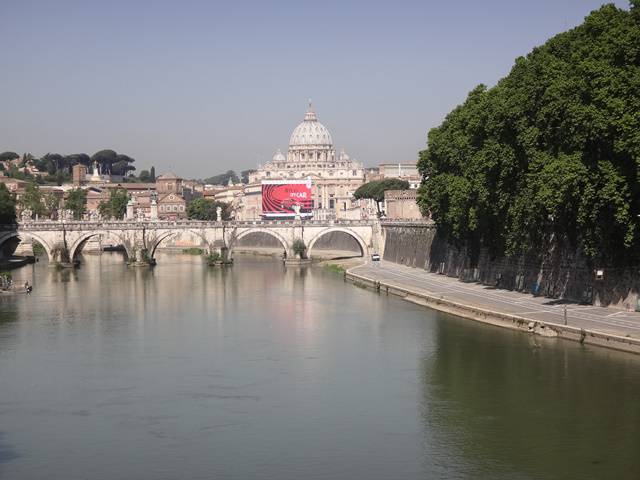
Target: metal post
x=565 y=314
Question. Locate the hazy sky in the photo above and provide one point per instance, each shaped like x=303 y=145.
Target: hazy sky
x=199 y=87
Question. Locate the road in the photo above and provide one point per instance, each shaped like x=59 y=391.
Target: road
x=599 y=319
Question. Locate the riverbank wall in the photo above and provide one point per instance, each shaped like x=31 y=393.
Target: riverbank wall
x=554 y=273
x=505 y=320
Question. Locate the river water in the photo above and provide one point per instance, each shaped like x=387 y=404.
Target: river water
x=257 y=372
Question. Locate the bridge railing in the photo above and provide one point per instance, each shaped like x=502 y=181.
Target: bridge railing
x=162 y=224
x=398 y=222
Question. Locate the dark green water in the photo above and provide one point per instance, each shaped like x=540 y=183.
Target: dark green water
x=184 y=372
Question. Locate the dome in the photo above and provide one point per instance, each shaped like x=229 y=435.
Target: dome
x=279 y=157
x=343 y=156
x=310 y=132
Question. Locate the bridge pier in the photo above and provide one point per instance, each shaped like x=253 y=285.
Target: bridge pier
x=59 y=257
x=218 y=254
x=140 y=257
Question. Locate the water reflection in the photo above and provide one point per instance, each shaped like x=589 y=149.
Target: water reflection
x=261 y=371
x=515 y=406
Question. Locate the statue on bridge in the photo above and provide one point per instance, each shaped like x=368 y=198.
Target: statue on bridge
x=26 y=215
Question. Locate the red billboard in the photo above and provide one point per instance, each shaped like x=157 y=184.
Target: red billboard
x=281 y=198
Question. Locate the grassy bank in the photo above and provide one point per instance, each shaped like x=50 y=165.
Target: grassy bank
x=334 y=267
x=193 y=251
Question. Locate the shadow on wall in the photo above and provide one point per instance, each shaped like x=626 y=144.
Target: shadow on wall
x=553 y=272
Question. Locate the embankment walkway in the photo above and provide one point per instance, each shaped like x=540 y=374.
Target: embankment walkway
x=585 y=323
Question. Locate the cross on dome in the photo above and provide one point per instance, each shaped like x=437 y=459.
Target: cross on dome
x=310 y=116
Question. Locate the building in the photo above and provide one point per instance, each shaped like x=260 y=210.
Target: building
x=403 y=171
x=14 y=185
x=250 y=203
x=311 y=154
x=80 y=175
x=402 y=205
x=171 y=203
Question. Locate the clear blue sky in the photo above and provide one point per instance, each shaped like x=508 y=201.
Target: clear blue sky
x=199 y=87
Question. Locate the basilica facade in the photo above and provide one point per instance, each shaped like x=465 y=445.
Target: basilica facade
x=311 y=154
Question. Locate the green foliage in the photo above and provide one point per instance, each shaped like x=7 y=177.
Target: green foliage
x=113 y=163
x=335 y=268
x=32 y=199
x=222 y=179
x=152 y=175
x=193 y=251
x=7 y=206
x=376 y=188
x=144 y=176
x=6 y=280
x=19 y=173
x=299 y=248
x=116 y=206
x=552 y=151
x=6 y=156
x=205 y=209
x=244 y=175
x=76 y=201
x=214 y=257
x=38 y=249
x=51 y=204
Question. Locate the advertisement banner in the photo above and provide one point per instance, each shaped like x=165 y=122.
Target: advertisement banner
x=281 y=198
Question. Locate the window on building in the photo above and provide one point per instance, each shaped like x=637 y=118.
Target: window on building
x=331 y=203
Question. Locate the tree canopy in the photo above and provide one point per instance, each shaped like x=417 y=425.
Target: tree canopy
x=6 y=156
x=116 y=206
x=32 y=200
x=57 y=167
x=113 y=163
x=222 y=179
x=552 y=151
x=375 y=189
x=7 y=206
x=244 y=175
x=76 y=201
x=205 y=209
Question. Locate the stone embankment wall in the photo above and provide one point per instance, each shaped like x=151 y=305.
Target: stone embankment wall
x=555 y=273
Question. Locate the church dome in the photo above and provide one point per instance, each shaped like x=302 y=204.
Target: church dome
x=279 y=157
x=310 y=132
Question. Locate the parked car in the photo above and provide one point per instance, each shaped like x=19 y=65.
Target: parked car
x=375 y=257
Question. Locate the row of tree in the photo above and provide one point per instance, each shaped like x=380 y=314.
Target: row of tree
x=40 y=204
x=229 y=175
x=57 y=167
x=49 y=204
x=551 y=152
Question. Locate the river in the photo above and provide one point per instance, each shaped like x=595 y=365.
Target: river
x=261 y=372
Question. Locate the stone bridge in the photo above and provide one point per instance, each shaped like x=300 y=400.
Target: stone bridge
x=62 y=241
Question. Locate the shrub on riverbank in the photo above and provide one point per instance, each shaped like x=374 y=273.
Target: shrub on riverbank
x=332 y=267
x=193 y=251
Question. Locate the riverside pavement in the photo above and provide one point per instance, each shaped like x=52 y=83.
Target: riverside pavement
x=537 y=309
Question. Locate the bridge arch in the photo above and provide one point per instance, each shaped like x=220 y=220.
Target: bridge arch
x=269 y=231
x=363 y=245
x=163 y=236
x=18 y=234
x=77 y=245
